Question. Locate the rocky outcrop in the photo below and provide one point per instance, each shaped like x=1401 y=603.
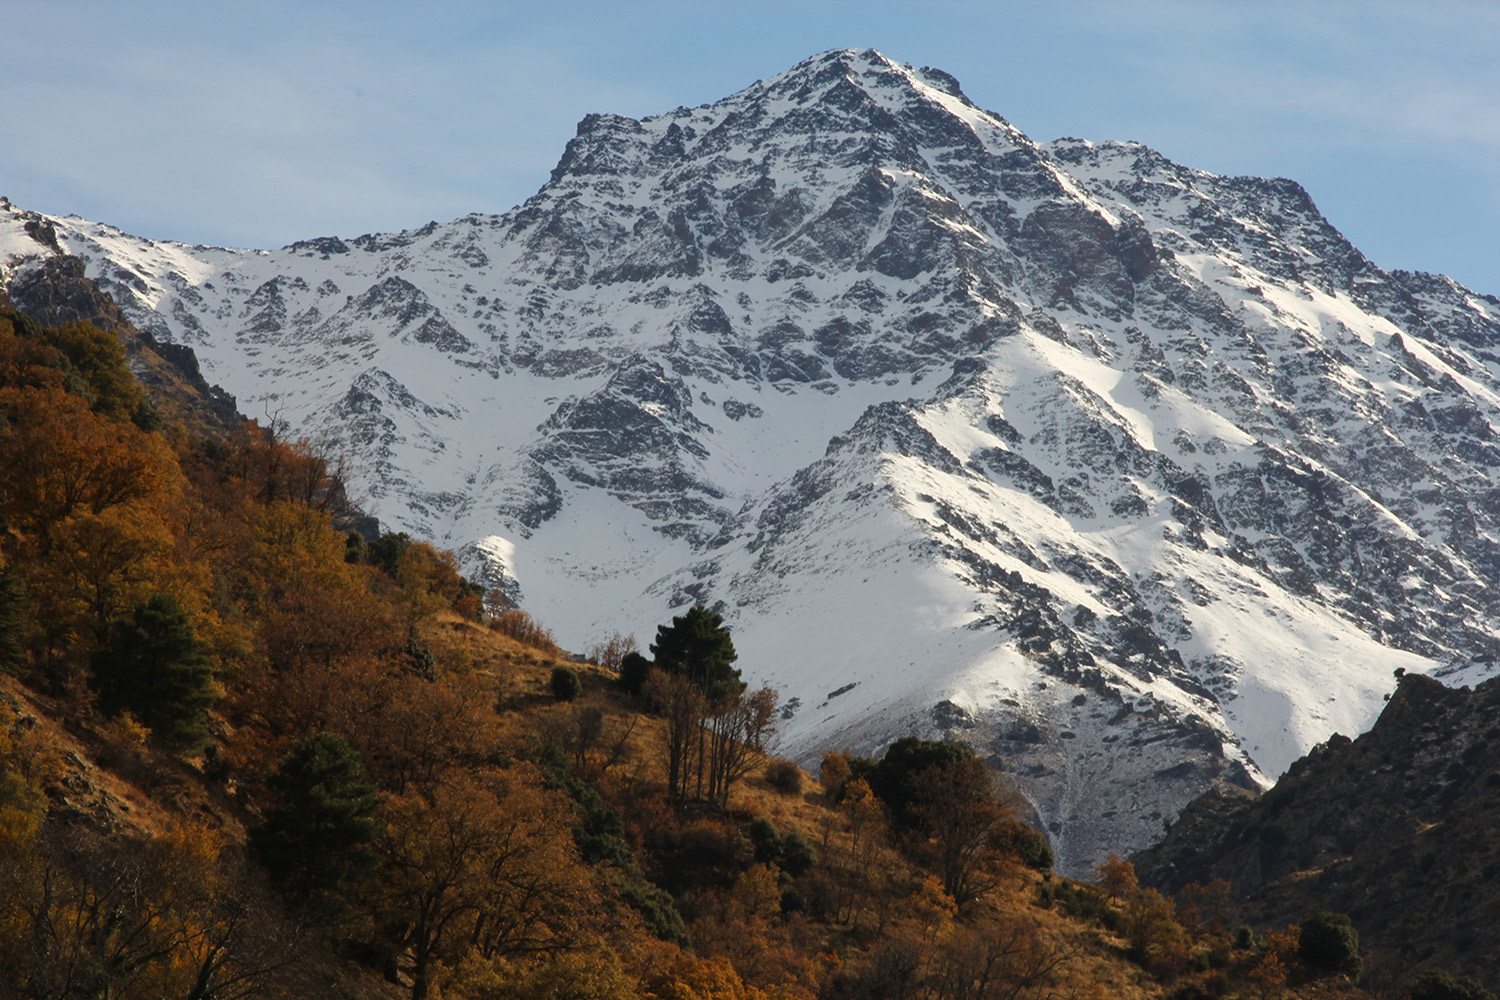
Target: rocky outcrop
x=1395 y=827
x=58 y=291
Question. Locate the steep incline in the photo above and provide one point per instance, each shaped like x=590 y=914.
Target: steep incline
x=1139 y=477
x=1395 y=828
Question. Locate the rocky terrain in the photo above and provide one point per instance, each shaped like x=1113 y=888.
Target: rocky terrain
x=1141 y=479
x=1396 y=828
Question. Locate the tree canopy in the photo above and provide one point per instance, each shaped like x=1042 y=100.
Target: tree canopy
x=697 y=646
x=317 y=840
x=154 y=667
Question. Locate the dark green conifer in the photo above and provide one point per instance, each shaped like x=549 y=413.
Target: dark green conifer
x=154 y=667
x=697 y=645
x=316 y=842
x=12 y=621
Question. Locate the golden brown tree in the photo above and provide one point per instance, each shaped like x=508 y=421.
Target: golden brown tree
x=476 y=864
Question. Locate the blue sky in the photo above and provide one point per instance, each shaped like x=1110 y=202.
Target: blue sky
x=258 y=123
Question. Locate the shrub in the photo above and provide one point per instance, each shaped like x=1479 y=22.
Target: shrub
x=1026 y=844
x=565 y=684
x=1435 y=984
x=797 y=855
x=765 y=838
x=903 y=780
x=524 y=629
x=1329 y=944
x=634 y=668
x=658 y=912
x=785 y=777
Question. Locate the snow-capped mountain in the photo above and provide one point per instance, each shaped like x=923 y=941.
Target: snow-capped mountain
x=1136 y=477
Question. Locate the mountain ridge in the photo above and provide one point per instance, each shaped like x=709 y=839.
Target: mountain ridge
x=955 y=428
x=1391 y=827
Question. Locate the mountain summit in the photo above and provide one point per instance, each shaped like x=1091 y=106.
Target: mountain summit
x=1138 y=478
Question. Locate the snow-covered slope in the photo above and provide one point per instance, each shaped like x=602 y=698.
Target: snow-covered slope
x=1136 y=477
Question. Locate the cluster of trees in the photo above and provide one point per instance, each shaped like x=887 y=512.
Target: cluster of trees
x=716 y=730
x=207 y=596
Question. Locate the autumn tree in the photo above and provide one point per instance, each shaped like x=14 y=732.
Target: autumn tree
x=1148 y=920
x=154 y=667
x=942 y=803
x=271 y=469
x=99 y=915
x=738 y=731
x=956 y=809
x=94 y=360
x=852 y=867
x=96 y=567
x=998 y=956
x=609 y=653
x=174 y=915
x=58 y=459
x=1206 y=908
x=476 y=865
x=682 y=706
x=229 y=939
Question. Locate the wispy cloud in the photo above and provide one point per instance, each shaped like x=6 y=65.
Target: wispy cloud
x=294 y=135
x=269 y=121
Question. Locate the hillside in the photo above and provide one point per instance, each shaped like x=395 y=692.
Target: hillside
x=1395 y=828
x=58 y=291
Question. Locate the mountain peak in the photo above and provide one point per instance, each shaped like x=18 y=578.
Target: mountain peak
x=867 y=68
x=1139 y=478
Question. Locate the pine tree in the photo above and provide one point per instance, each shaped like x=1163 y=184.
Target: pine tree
x=12 y=621
x=697 y=645
x=317 y=841
x=154 y=667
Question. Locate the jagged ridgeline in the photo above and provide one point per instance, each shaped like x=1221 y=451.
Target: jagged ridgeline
x=1137 y=478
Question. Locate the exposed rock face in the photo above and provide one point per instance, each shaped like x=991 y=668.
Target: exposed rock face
x=59 y=291
x=1145 y=469
x=1396 y=828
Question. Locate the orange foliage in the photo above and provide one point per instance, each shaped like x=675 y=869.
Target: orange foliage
x=1116 y=876
x=523 y=628
x=1205 y=908
x=58 y=459
x=482 y=865
x=428 y=579
x=481 y=892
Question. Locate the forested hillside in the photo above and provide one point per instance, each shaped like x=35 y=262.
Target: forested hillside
x=246 y=751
